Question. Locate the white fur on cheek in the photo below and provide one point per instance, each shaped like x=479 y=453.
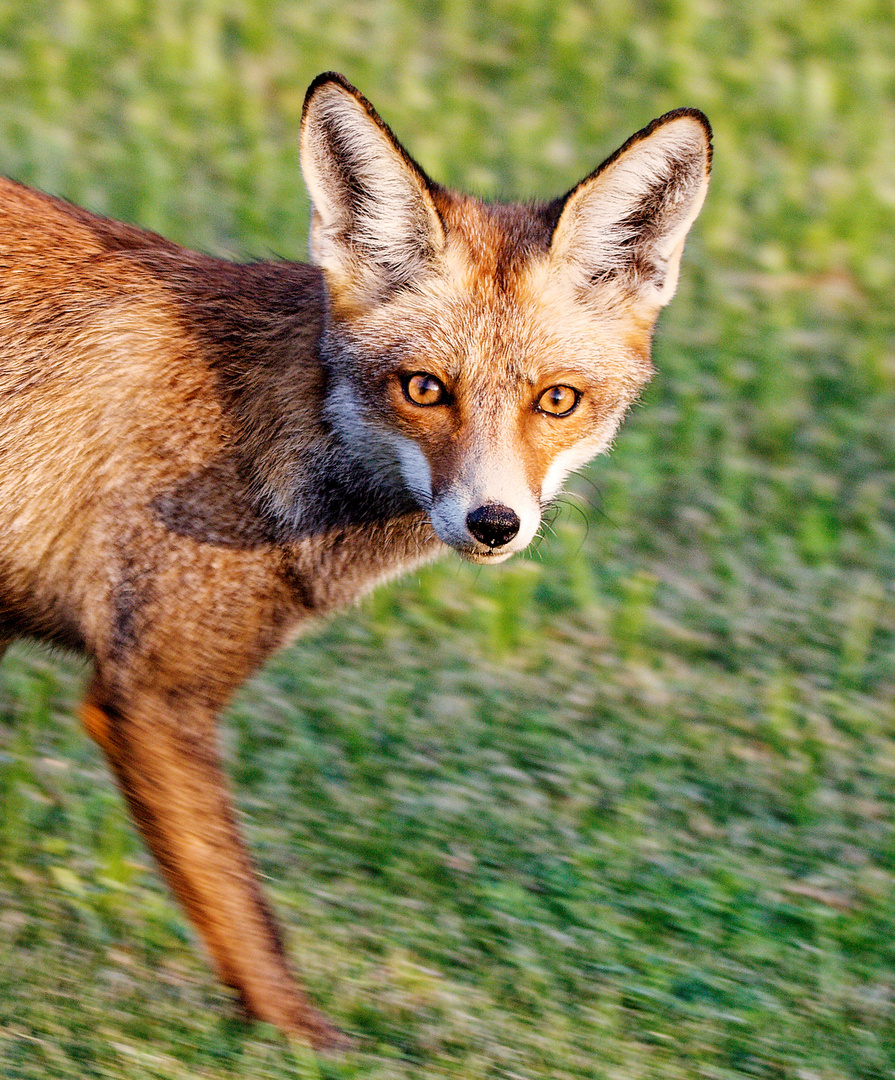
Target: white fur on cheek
x=575 y=457
x=561 y=466
x=415 y=469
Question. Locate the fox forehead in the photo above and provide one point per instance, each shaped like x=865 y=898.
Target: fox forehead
x=494 y=307
x=499 y=238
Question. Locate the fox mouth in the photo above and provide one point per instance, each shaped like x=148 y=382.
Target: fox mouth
x=483 y=555
x=491 y=558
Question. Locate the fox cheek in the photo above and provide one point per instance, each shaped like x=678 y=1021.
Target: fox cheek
x=415 y=471
x=562 y=466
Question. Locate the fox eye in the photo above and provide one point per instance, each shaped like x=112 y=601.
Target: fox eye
x=424 y=389
x=559 y=401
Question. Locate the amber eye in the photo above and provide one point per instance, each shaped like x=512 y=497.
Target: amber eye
x=424 y=389
x=559 y=400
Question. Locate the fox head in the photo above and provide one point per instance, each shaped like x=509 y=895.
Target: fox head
x=479 y=353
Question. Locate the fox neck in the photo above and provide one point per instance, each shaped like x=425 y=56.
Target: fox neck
x=342 y=480
x=342 y=490
x=262 y=327
x=350 y=522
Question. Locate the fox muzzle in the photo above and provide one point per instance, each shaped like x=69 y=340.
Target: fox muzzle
x=493 y=524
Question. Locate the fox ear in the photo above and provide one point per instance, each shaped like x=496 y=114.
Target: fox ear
x=627 y=221
x=374 y=225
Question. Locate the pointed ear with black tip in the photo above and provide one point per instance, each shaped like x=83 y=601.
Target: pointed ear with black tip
x=627 y=221
x=374 y=225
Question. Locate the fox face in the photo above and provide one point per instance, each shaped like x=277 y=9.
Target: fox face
x=479 y=353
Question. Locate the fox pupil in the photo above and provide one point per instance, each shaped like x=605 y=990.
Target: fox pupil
x=559 y=400
x=424 y=389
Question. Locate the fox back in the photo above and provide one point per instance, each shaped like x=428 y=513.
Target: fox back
x=196 y=456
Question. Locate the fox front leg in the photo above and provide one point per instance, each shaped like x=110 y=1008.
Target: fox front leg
x=167 y=767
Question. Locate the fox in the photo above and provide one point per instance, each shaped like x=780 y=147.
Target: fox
x=200 y=457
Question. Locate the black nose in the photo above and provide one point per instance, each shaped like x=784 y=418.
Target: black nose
x=493 y=524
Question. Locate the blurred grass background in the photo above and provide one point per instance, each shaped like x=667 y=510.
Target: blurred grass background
x=619 y=810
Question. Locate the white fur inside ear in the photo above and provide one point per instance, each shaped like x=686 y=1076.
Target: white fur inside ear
x=632 y=216
x=366 y=193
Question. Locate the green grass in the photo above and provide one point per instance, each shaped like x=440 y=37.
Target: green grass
x=620 y=810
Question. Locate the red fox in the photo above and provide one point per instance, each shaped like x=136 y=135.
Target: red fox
x=197 y=456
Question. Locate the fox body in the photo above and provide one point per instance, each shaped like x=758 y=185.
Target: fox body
x=197 y=456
